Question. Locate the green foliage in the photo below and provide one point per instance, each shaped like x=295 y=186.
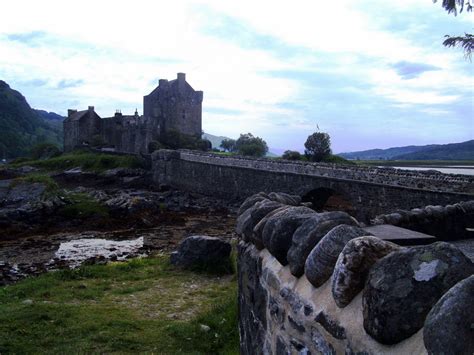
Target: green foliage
x=154 y=145
x=45 y=151
x=247 y=144
x=228 y=145
x=318 y=146
x=83 y=206
x=86 y=160
x=120 y=308
x=21 y=128
x=335 y=159
x=51 y=185
x=291 y=155
x=174 y=139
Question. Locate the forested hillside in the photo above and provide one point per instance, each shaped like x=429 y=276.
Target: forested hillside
x=22 y=127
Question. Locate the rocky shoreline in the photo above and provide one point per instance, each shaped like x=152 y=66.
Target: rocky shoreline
x=123 y=216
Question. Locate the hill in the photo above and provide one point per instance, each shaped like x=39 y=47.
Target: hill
x=453 y=151
x=21 y=127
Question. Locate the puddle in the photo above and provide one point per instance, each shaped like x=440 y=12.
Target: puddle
x=76 y=252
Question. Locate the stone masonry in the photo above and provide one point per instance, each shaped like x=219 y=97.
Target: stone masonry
x=173 y=105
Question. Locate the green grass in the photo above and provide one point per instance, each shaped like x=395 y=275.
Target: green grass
x=82 y=206
x=51 y=185
x=144 y=306
x=86 y=160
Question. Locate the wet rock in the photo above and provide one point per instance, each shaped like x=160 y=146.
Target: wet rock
x=250 y=201
x=402 y=287
x=449 y=327
x=310 y=233
x=353 y=266
x=249 y=219
x=279 y=230
x=201 y=249
x=322 y=259
x=256 y=237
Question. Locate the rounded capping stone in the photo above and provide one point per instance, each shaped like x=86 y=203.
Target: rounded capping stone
x=321 y=260
x=278 y=231
x=310 y=233
x=402 y=287
x=449 y=327
x=354 y=264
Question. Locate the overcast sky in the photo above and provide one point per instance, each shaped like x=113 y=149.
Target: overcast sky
x=373 y=74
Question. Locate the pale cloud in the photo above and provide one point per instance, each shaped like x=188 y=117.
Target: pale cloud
x=275 y=68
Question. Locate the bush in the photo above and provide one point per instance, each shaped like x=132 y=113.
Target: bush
x=154 y=145
x=291 y=155
x=44 y=151
x=247 y=144
x=83 y=206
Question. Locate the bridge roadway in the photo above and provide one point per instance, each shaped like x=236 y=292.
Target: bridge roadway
x=363 y=192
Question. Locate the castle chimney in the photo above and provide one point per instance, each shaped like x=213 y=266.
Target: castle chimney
x=181 y=77
x=71 y=112
x=163 y=83
x=91 y=108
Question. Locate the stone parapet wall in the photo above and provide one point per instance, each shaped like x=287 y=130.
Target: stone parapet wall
x=317 y=283
x=223 y=177
x=386 y=176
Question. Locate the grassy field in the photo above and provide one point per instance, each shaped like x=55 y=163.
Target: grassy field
x=141 y=306
x=89 y=161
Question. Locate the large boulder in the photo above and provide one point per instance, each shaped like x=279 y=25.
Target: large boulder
x=256 y=238
x=249 y=219
x=449 y=327
x=402 y=288
x=310 y=233
x=322 y=259
x=353 y=266
x=279 y=230
x=201 y=250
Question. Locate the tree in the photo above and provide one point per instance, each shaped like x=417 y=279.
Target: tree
x=247 y=144
x=318 y=146
x=466 y=42
x=228 y=145
x=291 y=155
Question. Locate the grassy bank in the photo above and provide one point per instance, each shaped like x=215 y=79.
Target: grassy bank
x=144 y=305
x=89 y=161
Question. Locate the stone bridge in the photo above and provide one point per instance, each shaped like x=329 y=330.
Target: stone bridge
x=363 y=192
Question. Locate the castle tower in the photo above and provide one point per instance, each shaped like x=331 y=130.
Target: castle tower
x=174 y=105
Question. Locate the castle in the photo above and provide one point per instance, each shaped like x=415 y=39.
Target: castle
x=172 y=106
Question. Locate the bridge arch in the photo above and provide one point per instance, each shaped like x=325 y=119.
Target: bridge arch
x=328 y=199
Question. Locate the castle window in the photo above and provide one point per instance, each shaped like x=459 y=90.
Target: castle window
x=184 y=114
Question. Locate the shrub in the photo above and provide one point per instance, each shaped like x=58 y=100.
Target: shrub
x=291 y=155
x=247 y=144
x=44 y=151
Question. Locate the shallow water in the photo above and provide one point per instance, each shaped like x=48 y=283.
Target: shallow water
x=463 y=170
x=75 y=252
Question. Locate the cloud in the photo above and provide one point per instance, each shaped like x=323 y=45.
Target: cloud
x=273 y=68
x=409 y=70
x=69 y=83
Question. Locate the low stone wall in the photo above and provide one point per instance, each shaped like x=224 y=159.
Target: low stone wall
x=236 y=178
x=316 y=283
x=449 y=222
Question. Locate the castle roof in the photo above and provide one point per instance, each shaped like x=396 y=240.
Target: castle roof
x=77 y=115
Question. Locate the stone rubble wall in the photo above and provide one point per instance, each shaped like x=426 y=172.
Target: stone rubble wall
x=357 y=294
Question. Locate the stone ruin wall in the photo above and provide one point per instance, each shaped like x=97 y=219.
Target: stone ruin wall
x=355 y=295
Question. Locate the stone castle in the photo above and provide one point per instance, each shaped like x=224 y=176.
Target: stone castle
x=172 y=106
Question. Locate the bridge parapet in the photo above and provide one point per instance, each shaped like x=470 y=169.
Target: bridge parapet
x=428 y=180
